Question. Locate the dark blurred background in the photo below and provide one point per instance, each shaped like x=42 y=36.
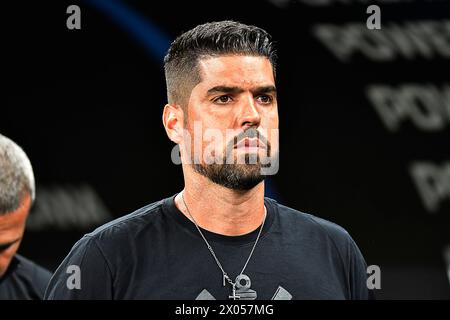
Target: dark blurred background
x=364 y=120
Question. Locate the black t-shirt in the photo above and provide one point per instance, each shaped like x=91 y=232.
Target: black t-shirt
x=24 y=280
x=157 y=253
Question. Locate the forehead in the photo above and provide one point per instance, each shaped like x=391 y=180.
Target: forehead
x=236 y=70
x=12 y=224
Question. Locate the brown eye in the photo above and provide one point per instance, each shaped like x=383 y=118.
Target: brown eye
x=223 y=99
x=264 y=99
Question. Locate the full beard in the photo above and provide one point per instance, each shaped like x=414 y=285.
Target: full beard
x=244 y=172
x=234 y=176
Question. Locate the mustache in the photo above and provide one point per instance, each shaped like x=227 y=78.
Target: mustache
x=248 y=133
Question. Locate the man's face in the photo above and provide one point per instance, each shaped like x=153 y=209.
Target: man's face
x=12 y=226
x=237 y=100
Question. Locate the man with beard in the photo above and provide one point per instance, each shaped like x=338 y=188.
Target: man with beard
x=219 y=238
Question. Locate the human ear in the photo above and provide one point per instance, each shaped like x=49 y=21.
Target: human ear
x=173 y=122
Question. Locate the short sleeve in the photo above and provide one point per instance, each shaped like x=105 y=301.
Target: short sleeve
x=357 y=276
x=83 y=275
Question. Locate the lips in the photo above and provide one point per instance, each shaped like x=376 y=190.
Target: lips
x=250 y=143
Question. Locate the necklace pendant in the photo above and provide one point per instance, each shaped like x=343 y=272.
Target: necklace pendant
x=234 y=296
x=243 y=284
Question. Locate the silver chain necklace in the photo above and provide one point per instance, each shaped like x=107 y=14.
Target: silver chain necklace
x=242 y=291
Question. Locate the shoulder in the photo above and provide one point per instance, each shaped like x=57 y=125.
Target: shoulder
x=319 y=235
x=332 y=243
x=312 y=226
x=26 y=266
x=128 y=225
x=34 y=277
x=106 y=246
x=119 y=236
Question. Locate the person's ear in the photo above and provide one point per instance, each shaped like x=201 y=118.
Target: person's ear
x=173 y=122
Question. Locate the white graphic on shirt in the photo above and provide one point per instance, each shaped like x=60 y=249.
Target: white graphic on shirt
x=247 y=294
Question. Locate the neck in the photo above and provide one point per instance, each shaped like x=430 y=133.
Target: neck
x=222 y=210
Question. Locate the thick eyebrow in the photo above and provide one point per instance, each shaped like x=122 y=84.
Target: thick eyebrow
x=236 y=90
x=224 y=89
x=266 y=89
x=4 y=246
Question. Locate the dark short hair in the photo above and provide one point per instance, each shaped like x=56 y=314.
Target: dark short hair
x=209 y=40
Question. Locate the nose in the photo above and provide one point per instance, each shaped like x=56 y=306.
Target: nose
x=249 y=115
